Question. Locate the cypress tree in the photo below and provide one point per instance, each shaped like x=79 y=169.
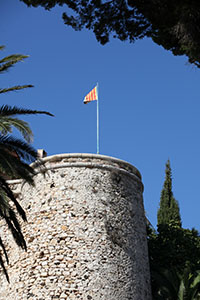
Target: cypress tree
x=168 y=212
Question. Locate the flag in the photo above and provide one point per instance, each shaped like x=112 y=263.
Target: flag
x=91 y=96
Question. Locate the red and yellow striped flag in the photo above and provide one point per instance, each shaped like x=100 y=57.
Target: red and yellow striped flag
x=91 y=96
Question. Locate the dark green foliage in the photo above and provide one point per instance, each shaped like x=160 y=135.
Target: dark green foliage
x=5 y=64
x=7 y=121
x=173 y=24
x=7 y=110
x=168 y=211
x=11 y=166
x=173 y=285
x=172 y=250
x=15 y=156
x=172 y=246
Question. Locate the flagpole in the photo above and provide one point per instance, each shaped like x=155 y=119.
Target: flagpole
x=97 y=118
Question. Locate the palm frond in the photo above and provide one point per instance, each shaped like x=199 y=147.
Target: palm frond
x=14 y=226
x=11 y=144
x=4 y=250
x=11 y=165
x=195 y=286
x=23 y=127
x=6 y=123
x=24 y=171
x=7 y=213
x=174 y=285
x=8 y=61
x=1 y=260
x=4 y=202
x=167 y=283
x=15 y=155
x=4 y=269
x=13 y=168
x=15 y=88
x=5 y=128
x=11 y=219
x=6 y=165
x=8 y=194
x=182 y=292
x=6 y=110
x=13 y=57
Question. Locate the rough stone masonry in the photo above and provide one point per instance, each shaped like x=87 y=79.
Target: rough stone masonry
x=86 y=233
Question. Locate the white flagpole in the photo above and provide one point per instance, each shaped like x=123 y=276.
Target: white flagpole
x=97 y=118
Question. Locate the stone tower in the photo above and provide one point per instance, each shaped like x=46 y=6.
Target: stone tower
x=86 y=233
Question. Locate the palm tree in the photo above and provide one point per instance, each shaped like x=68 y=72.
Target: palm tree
x=15 y=157
x=171 y=285
x=7 y=120
x=6 y=63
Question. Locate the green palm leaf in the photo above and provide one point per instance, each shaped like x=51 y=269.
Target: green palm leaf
x=175 y=286
x=8 y=61
x=182 y=293
x=15 y=88
x=7 y=195
x=11 y=144
x=195 y=286
x=13 y=57
x=7 y=213
x=15 y=156
x=7 y=122
x=7 y=110
x=12 y=165
x=23 y=127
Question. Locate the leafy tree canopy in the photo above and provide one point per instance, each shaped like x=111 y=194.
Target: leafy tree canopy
x=173 y=24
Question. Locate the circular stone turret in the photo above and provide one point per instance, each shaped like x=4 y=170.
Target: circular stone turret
x=86 y=233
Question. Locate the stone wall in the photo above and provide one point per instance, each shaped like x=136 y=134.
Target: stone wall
x=85 y=233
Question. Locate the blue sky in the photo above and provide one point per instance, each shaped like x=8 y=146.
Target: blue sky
x=149 y=100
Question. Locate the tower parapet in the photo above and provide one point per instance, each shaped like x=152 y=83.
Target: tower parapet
x=86 y=233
